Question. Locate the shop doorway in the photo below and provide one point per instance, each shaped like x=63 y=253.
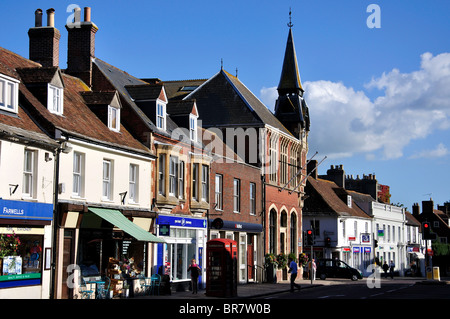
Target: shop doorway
x=66 y=292
x=250 y=260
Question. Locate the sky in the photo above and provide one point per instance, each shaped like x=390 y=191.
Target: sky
x=376 y=73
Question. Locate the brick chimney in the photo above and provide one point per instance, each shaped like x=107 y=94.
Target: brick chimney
x=81 y=45
x=428 y=206
x=44 y=41
x=311 y=166
x=416 y=210
x=336 y=174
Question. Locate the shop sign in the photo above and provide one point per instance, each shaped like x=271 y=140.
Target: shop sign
x=164 y=230
x=367 y=250
x=346 y=250
x=356 y=250
x=365 y=238
x=181 y=221
x=25 y=210
x=352 y=238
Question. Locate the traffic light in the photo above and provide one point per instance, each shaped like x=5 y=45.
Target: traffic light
x=426 y=231
x=375 y=243
x=328 y=242
x=309 y=237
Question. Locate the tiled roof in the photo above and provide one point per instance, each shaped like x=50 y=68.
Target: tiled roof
x=177 y=90
x=331 y=197
x=224 y=100
x=121 y=80
x=77 y=120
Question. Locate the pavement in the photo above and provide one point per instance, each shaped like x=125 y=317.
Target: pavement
x=259 y=290
x=249 y=290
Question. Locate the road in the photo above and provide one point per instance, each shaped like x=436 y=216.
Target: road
x=398 y=288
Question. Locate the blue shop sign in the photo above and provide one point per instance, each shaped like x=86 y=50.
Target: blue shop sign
x=12 y=209
x=181 y=221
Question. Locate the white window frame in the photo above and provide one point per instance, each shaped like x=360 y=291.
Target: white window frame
x=55 y=99
x=205 y=183
x=29 y=174
x=134 y=184
x=9 y=94
x=173 y=176
x=181 y=180
x=252 y=196
x=113 y=118
x=161 y=115
x=195 y=171
x=107 y=180
x=236 y=195
x=218 y=187
x=162 y=174
x=193 y=127
x=78 y=175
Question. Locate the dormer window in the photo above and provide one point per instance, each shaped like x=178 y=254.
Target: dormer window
x=113 y=118
x=161 y=115
x=9 y=94
x=55 y=99
x=193 y=127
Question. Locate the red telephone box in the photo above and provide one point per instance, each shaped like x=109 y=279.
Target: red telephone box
x=221 y=268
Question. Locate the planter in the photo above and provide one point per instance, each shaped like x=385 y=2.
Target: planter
x=271 y=273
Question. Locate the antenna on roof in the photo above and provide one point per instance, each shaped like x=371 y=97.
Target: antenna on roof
x=221 y=64
x=290 y=24
x=236 y=72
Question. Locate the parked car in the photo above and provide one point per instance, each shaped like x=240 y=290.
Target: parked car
x=336 y=268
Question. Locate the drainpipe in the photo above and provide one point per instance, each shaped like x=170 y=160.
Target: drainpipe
x=55 y=224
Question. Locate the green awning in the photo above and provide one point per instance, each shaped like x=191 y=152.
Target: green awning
x=116 y=218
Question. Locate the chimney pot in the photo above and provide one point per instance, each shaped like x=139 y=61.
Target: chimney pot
x=38 y=18
x=51 y=17
x=87 y=14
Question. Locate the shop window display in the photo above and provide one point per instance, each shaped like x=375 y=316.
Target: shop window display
x=20 y=255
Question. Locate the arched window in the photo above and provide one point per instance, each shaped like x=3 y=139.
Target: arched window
x=294 y=233
x=273 y=231
x=283 y=219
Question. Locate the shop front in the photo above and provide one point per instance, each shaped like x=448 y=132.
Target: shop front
x=185 y=239
x=25 y=249
x=114 y=248
x=248 y=237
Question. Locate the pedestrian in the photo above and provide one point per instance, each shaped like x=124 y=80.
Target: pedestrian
x=293 y=271
x=313 y=269
x=385 y=269
x=195 y=272
x=391 y=269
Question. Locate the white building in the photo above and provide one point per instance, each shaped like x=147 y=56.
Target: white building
x=389 y=230
x=342 y=230
x=26 y=189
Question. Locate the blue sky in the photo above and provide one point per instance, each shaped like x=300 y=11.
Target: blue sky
x=379 y=98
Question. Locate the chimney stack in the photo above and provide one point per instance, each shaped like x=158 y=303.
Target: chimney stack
x=428 y=206
x=312 y=165
x=44 y=41
x=337 y=174
x=81 y=46
x=416 y=210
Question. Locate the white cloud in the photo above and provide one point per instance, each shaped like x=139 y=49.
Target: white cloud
x=440 y=151
x=412 y=106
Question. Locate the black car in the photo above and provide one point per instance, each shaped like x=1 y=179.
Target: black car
x=337 y=269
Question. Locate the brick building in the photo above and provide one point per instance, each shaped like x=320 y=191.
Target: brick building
x=274 y=143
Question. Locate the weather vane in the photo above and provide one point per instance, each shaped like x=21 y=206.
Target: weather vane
x=290 y=24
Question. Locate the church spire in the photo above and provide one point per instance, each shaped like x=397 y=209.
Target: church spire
x=290 y=108
x=290 y=77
